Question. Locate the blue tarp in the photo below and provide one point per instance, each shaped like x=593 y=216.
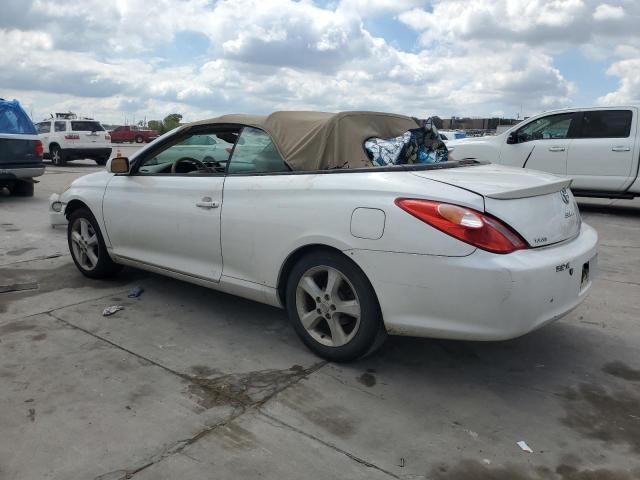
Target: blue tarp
x=13 y=119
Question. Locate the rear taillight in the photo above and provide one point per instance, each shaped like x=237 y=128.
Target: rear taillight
x=73 y=136
x=470 y=226
x=39 y=149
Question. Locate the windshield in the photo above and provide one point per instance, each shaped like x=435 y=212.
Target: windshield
x=86 y=126
x=13 y=119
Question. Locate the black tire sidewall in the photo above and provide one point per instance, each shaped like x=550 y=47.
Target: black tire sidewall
x=105 y=267
x=370 y=316
x=22 y=188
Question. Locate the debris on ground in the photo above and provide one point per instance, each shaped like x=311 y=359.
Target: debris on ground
x=107 y=312
x=135 y=292
x=524 y=447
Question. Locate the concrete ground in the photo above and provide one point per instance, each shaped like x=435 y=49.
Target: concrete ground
x=187 y=383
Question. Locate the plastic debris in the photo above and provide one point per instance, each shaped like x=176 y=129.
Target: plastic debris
x=107 y=312
x=135 y=292
x=486 y=461
x=524 y=447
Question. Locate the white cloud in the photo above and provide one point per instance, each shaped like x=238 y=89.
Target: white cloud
x=629 y=91
x=481 y=57
x=608 y=12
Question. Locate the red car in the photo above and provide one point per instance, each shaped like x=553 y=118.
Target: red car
x=133 y=133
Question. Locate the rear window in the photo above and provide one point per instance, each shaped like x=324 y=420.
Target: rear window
x=14 y=120
x=606 y=124
x=85 y=126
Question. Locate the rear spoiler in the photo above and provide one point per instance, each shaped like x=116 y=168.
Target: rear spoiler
x=536 y=191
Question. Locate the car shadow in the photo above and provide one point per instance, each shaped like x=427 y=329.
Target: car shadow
x=614 y=209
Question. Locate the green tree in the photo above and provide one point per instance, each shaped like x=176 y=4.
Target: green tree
x=155 y=125
x=170 y=122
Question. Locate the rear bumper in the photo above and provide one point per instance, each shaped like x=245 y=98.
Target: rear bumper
x=17 y=170
x=483 y=296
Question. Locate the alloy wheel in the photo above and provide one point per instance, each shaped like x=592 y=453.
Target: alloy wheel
x=328 y=306
x=84 y=242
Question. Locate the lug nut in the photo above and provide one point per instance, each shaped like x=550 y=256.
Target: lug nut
x=319 y=311
x=333 y=307
x=326 y=297
x=328 y=316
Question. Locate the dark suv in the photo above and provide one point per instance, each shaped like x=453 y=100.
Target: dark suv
x=20 y=150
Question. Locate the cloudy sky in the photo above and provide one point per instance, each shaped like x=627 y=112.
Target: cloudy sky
x=127 y=59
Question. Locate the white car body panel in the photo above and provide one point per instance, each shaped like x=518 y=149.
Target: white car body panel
x=427 y=282
x=594 y=164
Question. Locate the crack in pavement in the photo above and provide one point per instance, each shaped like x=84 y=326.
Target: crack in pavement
x=327 y=444
x=237 y=390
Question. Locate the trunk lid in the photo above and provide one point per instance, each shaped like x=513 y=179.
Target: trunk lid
x=539 y=206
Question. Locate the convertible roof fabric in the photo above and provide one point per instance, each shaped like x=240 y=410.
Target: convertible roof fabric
x=320 y=140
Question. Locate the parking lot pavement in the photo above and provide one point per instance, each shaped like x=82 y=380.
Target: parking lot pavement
x=189 y=383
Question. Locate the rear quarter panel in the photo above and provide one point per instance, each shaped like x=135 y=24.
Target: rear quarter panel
x=265 y=218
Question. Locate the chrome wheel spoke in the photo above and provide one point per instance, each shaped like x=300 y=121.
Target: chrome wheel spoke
x=84 y=229
x=338 y=336
x=93 y=258
x=76 y=237
x=334 y=279
x=93 y=240
x=310 y=319
x=348 y=307
x=309 y=285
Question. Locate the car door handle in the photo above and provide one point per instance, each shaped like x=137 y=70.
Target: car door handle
x=206 y=202
x=620 y=149
x=556 y=149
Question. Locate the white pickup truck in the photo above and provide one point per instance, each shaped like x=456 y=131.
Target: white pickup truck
x=599 y=148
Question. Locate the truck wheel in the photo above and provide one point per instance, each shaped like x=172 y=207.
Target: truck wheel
x=22 y=188
x=87 y=246
x=333 y=307
x=139 y=139
x=102 y=160
x=58 y=157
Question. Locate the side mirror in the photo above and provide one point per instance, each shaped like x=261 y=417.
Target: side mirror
x=512 y=138
x=118 y=165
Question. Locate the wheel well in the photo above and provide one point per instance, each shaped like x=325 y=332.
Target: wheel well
x=53 y=144
x=292 y=259
x=74 y=205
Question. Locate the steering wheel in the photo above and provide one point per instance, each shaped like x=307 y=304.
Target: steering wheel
x=198 y=164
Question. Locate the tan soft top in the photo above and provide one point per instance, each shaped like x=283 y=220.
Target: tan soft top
x=320 y=140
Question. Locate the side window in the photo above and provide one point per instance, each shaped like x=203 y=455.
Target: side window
x=195 y=155
x=606 y=124
x=546 y=128
x=255 y=153
x=44 y=127
x=60 y=126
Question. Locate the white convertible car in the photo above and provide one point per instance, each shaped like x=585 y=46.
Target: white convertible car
x=289 y=210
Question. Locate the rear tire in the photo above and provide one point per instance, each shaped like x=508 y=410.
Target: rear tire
x=333 y=307
x=102 y=161
x=139 y=139
x=87 y=247
x=22 y=188
x=58 y=157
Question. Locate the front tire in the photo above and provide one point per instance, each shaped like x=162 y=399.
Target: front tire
x=139 y=139
x=87 y=247
x=102 y=161
x=333 y=307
